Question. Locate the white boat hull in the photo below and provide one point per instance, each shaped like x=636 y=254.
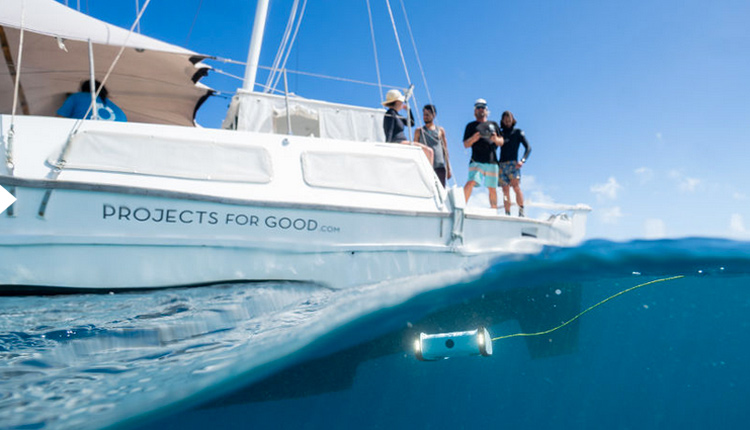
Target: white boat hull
x=93 y=230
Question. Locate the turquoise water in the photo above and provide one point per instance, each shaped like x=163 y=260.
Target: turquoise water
x=668 y=355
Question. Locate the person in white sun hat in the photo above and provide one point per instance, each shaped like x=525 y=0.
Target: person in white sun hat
x=394 y=124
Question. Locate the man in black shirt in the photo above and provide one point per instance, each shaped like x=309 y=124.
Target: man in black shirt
x=510 y=166
x=483 y=137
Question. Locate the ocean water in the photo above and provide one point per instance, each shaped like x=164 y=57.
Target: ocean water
x=669 y=355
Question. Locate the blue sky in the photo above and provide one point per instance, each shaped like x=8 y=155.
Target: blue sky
x=640 y=109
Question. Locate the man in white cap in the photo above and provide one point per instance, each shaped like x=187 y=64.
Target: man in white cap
x=483 y=137
x=394 y=124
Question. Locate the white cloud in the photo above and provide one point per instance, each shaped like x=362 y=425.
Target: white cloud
x=685 y=183
x=607 y=190
x=644 y=174
x=737 y=225
x=540 y=197
x=610 y=215
x=658 y=136
x=739 y=196
x=654 y=228
x=480 y=198
x=529 y=182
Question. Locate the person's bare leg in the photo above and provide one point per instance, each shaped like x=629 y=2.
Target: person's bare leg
x=506 y=199
x=493 y=197
x=519 y=196
x=467 y=190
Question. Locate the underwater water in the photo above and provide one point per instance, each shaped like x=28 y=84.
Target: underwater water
x=671 y=354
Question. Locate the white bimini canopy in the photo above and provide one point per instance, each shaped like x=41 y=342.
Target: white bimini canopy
x=153 y=81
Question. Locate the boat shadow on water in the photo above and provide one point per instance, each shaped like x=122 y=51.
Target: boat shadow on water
x=535 y=309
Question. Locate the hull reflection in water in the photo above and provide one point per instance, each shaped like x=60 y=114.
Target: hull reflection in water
x=301 y=356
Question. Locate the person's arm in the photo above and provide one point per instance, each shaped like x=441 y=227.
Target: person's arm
x=389 y=126
x=444 y=141
x=409 y=120
x=468 y=143
x=526 y=146
x=497 y=138
x=418 y=135
x=470 y=138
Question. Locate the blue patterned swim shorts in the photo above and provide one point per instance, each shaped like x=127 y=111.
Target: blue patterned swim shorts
x=509 y=170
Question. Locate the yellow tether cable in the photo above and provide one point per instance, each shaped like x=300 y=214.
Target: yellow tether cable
x=589 y=309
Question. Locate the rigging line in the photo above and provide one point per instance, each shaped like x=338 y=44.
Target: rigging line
x=589 y=309
x=421 y=71
x=280 y=49
x=291 y=43
x=401 y=52
x=79 y=122
x=15 y=72
x=60 y=163
x=239 y=78
x=195 y=18
x=282 y=44
x=375 y=50
x=398 y=42
x=299 y=72
x=334 y=78
x=137 y=8
x=221 y=72
x=416 y=53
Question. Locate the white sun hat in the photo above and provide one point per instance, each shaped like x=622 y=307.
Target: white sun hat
x=392 y=96
x=480 y=103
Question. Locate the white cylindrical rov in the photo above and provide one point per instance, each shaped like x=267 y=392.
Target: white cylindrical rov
x=431 y=347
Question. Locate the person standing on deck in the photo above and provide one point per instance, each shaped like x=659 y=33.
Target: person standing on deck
x=434 y=137
x=510 y=166
x=483 y=137
x=394 y=124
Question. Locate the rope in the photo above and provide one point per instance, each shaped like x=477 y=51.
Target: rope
x=298 y=72
x=401 y=53
x=195 y=18
x=541 y=333
x=60 y=164
x=282 y=45
x=375 y=50
x=109 y=71
x=424 y=78
x=398 y=42
x=137 y=8
x=9 y=160
x=17 y=84
x=291 y=44
x=416 y=53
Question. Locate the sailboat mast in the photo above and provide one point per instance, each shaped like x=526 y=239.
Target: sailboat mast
x=256 y=41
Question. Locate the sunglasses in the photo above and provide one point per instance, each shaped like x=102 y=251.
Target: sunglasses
x=480 y=107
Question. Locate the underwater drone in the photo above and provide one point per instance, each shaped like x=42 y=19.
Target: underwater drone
x=431 y=347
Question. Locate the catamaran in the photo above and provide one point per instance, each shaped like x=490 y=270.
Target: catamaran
x=288 y=189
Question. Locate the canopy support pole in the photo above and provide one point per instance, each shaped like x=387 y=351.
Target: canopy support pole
x=286 y=101
x=92 y=82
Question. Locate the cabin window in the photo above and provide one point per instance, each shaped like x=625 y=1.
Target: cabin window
x=145 y=154
x=379 y=173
